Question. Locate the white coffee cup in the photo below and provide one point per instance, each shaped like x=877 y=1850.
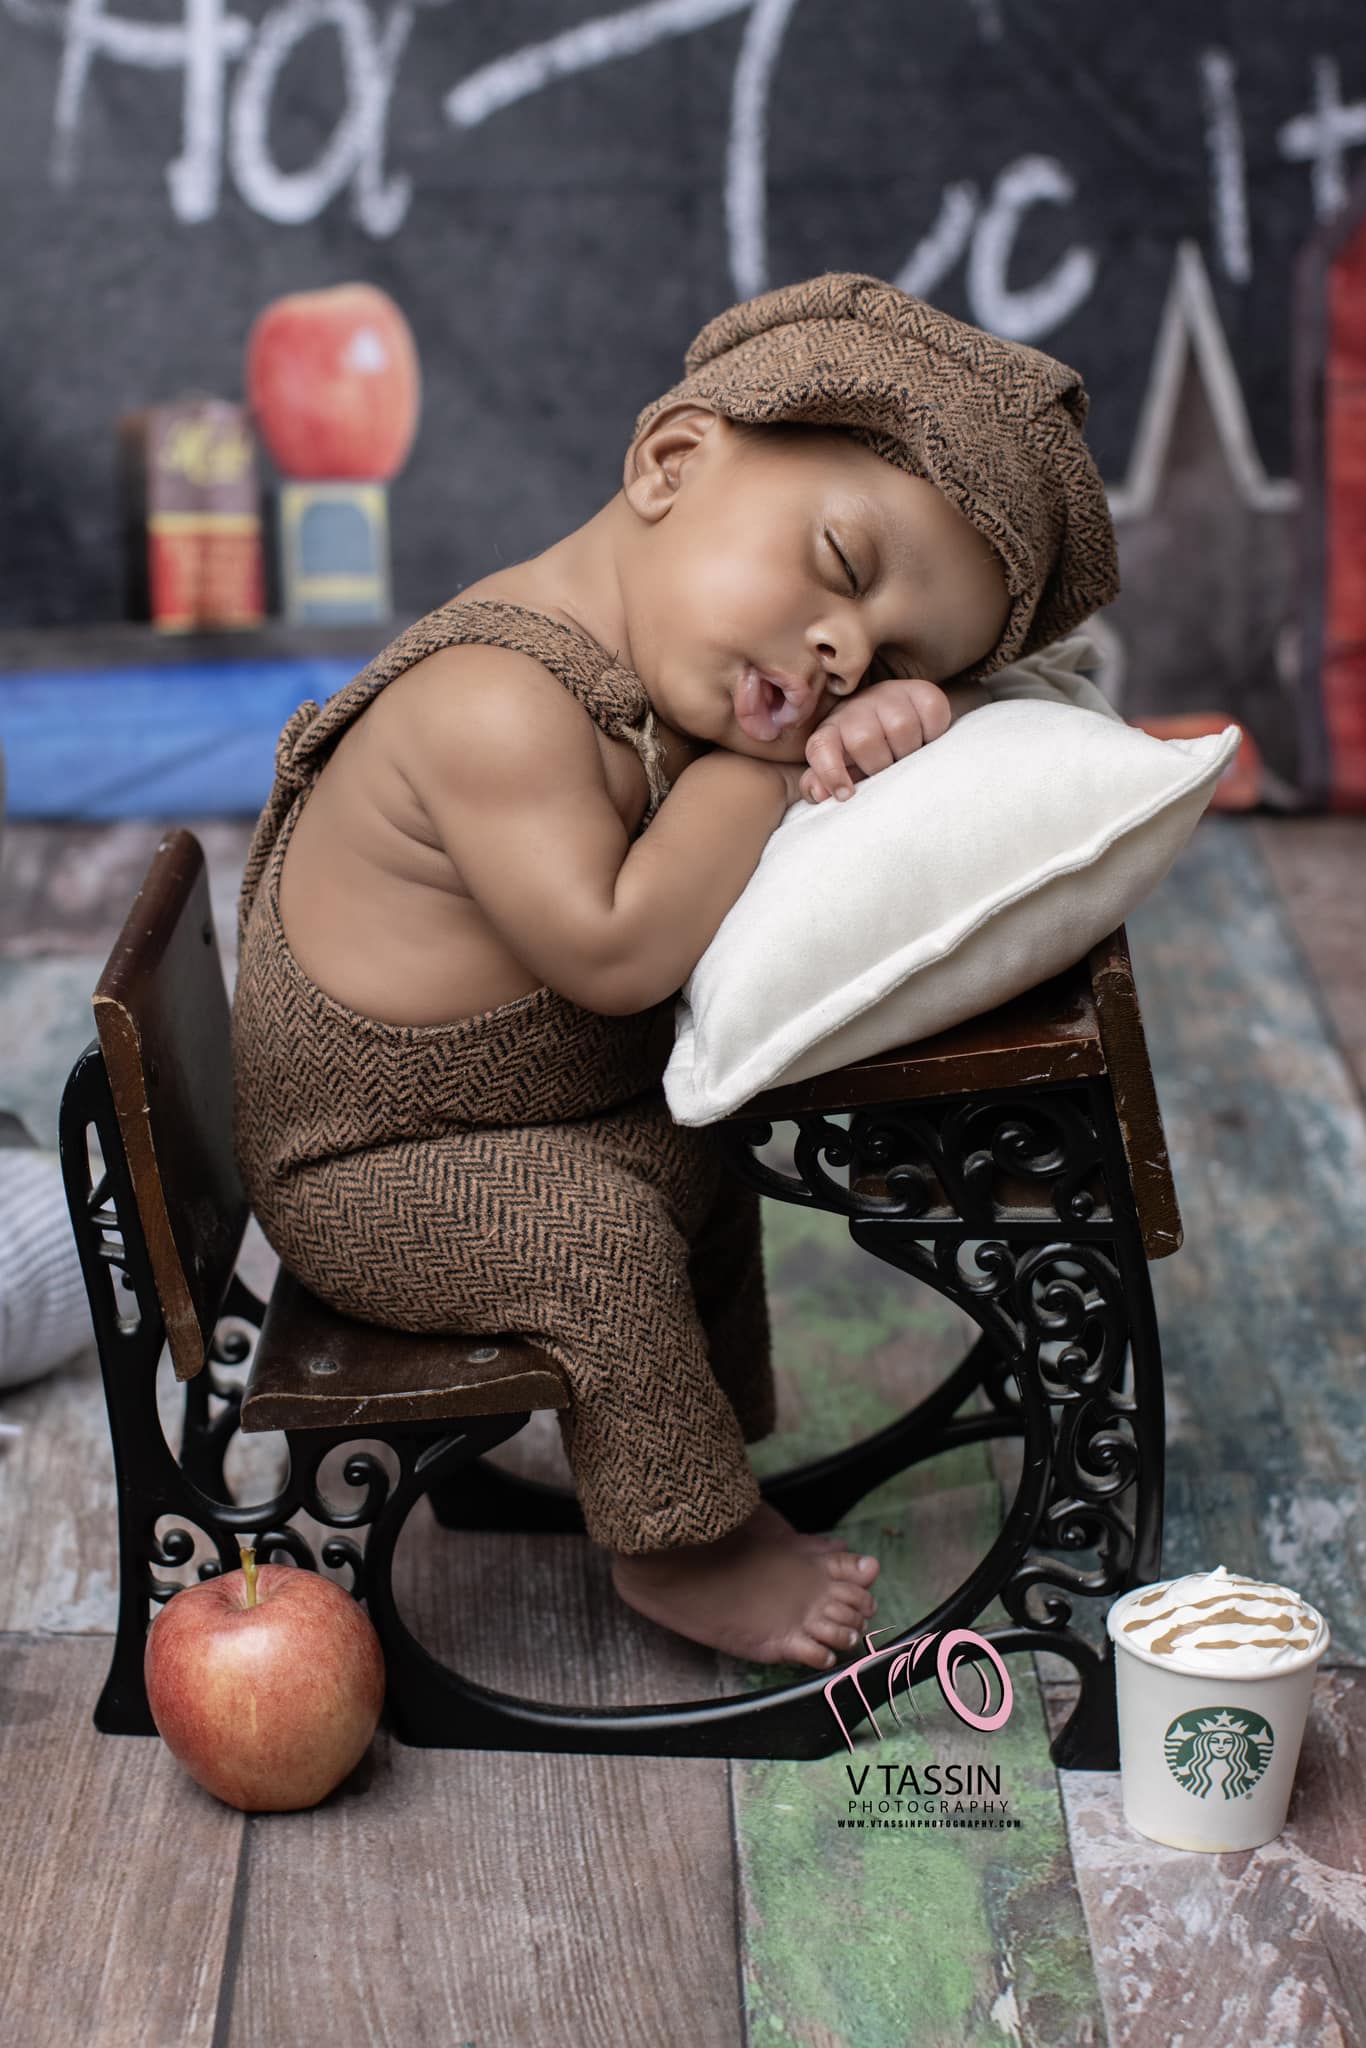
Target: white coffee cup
x=1214 y=1674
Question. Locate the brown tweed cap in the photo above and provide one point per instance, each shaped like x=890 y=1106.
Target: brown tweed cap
x=993 y=424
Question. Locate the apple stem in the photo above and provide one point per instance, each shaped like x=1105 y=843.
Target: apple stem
x=247 y=1554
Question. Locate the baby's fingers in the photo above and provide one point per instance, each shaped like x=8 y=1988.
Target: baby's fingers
x=829 y=768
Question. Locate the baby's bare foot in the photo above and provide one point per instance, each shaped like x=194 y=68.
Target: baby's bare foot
x=755 y=1598
x=771 y=1521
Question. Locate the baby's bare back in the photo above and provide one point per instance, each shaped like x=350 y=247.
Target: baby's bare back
x=374 y=905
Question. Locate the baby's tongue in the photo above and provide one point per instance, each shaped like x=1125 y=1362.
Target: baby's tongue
x=763 y=706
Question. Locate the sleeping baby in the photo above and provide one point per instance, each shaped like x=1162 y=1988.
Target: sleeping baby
x=488 y=864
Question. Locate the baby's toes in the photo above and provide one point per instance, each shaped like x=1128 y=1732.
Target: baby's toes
x=805 y=1647
x=847 y=1604
x=841 y=1635
x=854 y=1571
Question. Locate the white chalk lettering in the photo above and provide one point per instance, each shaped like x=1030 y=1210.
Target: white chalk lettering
x=1321 y=138
x=933 y=258
x=203 y=45
x=232 y=71
x=353 y=151
x=1224 y=141
x=601 y=41
x=747 y=146
x=1024 y=315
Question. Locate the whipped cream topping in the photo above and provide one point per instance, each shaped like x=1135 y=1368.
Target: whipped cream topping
x=1220 y=1622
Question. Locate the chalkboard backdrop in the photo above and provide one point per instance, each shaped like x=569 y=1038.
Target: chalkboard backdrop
x=558 y=198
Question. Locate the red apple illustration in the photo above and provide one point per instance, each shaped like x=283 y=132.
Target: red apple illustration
x=266 y=1684
x=333 y=382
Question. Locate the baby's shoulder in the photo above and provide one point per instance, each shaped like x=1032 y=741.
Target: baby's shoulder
x=468 y=668
x=500 y=689
x=467 y=705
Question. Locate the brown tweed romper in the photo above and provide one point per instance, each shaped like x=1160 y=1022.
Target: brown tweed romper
x=512 y=1173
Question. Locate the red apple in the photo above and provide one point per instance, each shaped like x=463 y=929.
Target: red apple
x=333 y=381
x=266 y=1684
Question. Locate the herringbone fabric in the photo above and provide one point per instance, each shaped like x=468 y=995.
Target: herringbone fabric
x=994 y=424
x=516 y=1173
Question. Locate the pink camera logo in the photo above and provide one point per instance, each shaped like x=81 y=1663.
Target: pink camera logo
x=953 y=1652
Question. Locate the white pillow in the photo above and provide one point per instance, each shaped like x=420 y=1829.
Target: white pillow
x=969 y=871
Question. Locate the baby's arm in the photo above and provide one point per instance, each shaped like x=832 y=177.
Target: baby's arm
x=507 y=765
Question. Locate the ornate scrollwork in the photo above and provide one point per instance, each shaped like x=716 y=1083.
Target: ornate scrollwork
x=1075 y=1333
x=273 y=1544
x=1053 y=1310
x=339 y=1554
x=173 y=1549
x=269 y=1524
x=1057 y=1328
x=1045 y=1575
x=959 y=1159
x=1049 y=1139
x=1095 y=1463
x=975 y=1269
x=817 y=1141
x=912 y=1182
x=1070 y=1299
x=1054 y=1609
x=362 y=1468
x=336 y=1553
x=232 y=1343
x=1096 y=1445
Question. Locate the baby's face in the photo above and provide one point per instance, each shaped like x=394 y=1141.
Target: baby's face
x=805 y=558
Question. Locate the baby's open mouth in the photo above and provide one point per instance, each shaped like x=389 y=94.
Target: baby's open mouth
x=762 y=708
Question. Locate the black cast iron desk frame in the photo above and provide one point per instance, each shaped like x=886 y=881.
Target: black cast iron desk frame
x=1067 y=1361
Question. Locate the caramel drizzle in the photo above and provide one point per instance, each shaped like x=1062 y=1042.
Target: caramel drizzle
x=1235 y=1617
x=1290 y=1608
x=1232 y=1615
x=1261 y=1643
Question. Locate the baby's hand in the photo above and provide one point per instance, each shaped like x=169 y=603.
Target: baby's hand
x=878 y=725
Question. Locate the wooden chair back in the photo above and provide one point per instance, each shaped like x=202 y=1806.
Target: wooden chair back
x=162 y=1018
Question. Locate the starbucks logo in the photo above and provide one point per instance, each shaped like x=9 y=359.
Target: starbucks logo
x=1217 y=1746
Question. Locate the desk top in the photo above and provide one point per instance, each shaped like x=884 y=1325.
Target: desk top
x=1083 y=1021
x=1050 y=1033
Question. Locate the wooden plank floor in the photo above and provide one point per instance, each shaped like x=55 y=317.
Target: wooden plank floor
x=449 y=1898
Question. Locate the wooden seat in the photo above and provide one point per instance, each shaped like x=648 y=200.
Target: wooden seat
x=1015 y=1163
x=315 y=1368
